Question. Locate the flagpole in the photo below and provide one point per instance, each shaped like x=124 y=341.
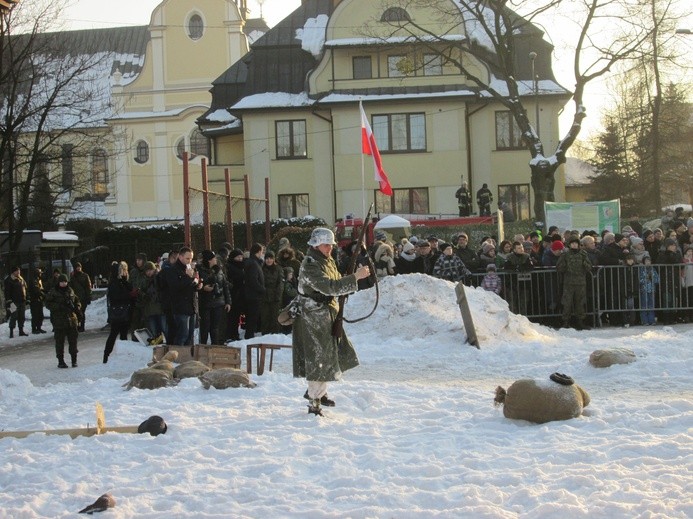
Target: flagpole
x=363 y=174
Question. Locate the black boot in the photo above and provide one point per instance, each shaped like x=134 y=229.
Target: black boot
x=314 y=408
x=74 y=361
x=11 y=333
x=61 y=363
x=105 y=358
x=324 y=400
x=22 y=334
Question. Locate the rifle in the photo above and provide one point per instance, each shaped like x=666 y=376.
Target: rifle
x=337 y=324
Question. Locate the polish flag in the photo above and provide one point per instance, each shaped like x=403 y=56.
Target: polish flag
x=369 y=147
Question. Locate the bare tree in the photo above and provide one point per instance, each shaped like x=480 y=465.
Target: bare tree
x=496 y=31
x=54 y=99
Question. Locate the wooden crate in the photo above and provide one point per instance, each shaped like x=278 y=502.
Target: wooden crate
x=220 y=356
x=215 y=356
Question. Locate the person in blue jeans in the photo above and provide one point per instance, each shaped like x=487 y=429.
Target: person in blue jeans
x=649 y=279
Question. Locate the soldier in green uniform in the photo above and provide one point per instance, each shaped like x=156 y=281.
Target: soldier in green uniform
x=574 y=266
x=64 y=306
x=317 y=354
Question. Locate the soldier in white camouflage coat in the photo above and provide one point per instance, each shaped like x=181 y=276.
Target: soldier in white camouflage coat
x=317 y=355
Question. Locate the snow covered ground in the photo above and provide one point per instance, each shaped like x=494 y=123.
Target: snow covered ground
x=414 y=433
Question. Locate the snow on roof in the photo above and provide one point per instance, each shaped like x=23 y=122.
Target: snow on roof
x=148 y=115
x=526 y=87
x=59 y=236
x=350 y=42
x=392 y=222
x=221 y=115
x=352 y=98
x=312 y=35
x=273 y=100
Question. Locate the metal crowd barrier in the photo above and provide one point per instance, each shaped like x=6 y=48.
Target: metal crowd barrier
x=614 y=295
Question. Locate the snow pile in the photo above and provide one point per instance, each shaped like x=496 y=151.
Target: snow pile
x=414 y=433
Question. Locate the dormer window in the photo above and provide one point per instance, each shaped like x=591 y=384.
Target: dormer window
x=196 y=27
x=395 y=14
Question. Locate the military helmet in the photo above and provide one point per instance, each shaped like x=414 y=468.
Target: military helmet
x=321 y=236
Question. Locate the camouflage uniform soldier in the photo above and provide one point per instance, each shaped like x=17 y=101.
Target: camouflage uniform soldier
x=317 y=355
x=64 y=306
x=574 y=265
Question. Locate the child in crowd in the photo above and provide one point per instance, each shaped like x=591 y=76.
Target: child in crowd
x=649 y=279
x=630 y=288
x=491 y=281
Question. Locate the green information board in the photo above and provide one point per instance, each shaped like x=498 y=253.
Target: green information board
x=584 y=216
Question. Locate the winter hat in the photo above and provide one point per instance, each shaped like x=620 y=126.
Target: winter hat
x=527 y=245
x=491 y=266
x=574 y=239
x=486 y=248
x=423 y=243
x=669 y=241
x=627 y=229
x=154 y=425
x=414 y=240
x=647 y=233
x=141 y=256
x=208 y=255
x=556 y=245
x=444 y=246
x=62 y=278
x=408 y=248
x=269 y=254
x=635 y=241
x=149 y=266
x=235 y=253
x=618 y=237
x=380 y=235
x=284 y=242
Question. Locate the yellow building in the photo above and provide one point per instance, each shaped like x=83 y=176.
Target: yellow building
x=289 y=111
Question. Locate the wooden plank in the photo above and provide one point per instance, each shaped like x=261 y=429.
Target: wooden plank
x=466 y=315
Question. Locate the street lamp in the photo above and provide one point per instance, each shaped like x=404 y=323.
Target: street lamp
x=535 y=80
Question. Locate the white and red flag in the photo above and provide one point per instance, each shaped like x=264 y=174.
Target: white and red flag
x=369 y=147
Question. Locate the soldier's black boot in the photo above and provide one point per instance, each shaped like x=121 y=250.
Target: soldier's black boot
x=61 y=363
x=74 y=361
x=314 y=408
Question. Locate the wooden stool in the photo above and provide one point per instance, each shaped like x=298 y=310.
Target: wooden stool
x=260 y=351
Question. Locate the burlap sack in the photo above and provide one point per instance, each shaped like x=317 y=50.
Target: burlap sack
x=164 y=365
x=542 y=401
x=605 y=358
x=224 y=378
x=149 y=378
x=171 y=355
x=190 y=369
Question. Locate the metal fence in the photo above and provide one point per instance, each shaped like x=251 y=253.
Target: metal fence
x=615 y=295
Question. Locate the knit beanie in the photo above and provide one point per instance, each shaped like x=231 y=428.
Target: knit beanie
x=556 y=245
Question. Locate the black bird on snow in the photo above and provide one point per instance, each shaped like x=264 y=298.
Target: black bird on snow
x=100 y=505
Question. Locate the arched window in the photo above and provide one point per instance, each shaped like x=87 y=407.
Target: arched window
x=395 y=14
x=199 y=144
x=99 y=172
x=180 y=148
x=196 y=27
x=142 y=152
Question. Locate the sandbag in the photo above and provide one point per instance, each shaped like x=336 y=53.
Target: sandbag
x=149 y=378
x=542 y=401
x=190 y=369
x=224 y=378
x=164 y=365
x=606 y=358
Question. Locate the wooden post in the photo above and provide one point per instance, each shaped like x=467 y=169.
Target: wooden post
x=205 y=206
x=248 y=226
x=267 y=212
x=186 y=201
x=229 y=207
